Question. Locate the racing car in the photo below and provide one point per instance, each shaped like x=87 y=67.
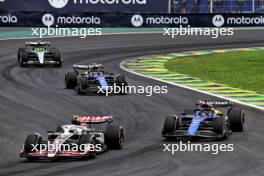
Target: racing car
x=91 y=78
x=205 y=121
x=78 y=140
x=39 y=53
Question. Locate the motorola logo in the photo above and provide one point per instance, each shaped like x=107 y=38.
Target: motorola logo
x=58 y=4
x=218 y=20
x=8 y=19
x=48 y=20
x=137 y=20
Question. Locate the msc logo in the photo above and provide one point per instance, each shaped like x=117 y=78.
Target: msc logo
x=58 y=3
x=218 y=20
x=137 y=20
x=48 y=19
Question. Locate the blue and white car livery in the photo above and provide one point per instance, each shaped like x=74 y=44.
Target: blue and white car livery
x=205 y=121
x=92 y=78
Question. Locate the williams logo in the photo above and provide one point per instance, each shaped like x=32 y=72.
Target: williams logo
x=137 y=20
x=58 y=3
x=218 y=20
x=48 y=19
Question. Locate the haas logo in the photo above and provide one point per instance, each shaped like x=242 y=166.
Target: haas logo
x=218 y=20
x=58 y=3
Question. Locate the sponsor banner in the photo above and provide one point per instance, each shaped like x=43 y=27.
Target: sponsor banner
x=85 y=5
x=36 y=19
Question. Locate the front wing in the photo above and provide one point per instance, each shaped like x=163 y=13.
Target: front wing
x=61 y=154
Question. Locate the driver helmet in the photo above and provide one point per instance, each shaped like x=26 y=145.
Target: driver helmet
x=95 y=67
x=207 y=106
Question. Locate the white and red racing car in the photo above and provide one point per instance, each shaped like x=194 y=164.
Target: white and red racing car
x=78 y=140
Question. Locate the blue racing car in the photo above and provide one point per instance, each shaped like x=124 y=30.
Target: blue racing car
x=205 y=121
x=92 y=78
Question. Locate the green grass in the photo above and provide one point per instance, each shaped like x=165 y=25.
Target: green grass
x=243 y=69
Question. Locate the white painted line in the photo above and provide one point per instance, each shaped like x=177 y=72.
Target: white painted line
x=120 y=33
x=114 y=33
x=192 y=89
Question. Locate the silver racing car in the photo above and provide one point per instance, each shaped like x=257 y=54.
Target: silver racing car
x=39 y=53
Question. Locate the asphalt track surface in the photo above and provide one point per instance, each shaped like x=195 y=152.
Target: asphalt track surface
x=34 y=99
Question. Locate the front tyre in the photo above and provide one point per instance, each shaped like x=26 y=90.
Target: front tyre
x=86 y=139
x=237 y=120
x=70 y=80
x=171 y=123
x=221 y=127
x=82 y=86
x=31 y=141
x=121 y=82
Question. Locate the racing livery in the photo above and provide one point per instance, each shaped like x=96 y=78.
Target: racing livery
x=91 y=78
x=81 y=132
x=39 y=53
x=205 y=121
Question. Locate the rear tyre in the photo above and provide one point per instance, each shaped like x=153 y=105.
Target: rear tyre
x=31 y=140
x=237 y=119
x=221 y=127
x=114 y=137
x=171 y=123
x=70 y=80
x=88 y=139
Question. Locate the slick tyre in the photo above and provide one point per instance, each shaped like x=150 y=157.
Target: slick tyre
x=22 y=57
x=171 y=123
x=237 y=119
x=221 y=127
x=121 y=81
x=19 y=54
x=70 y=80
x=82 y=86
x=87 y=139
x=114 y=137
x=57 y=58
x=31 y=140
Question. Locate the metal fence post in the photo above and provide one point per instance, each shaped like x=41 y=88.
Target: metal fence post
x=253 y=6
x=169 y=6
x=211 y=6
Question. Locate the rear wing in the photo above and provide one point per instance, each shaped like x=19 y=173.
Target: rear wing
x=37 y=43
x=216 y=103
x=78 y=119
x=80 y=67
